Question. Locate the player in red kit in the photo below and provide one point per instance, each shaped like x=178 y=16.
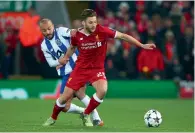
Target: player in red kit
x=91 y=41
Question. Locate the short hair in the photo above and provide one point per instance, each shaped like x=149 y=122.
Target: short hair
x=88 y=13
x=44 y=20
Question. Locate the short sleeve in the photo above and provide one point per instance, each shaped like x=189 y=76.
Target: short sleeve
x=109 y=32
x=74 y=41
x=64 y=31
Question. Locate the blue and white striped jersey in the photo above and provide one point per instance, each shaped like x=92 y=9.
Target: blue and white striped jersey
x=56 y=47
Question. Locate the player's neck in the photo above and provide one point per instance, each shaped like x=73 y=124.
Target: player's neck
x=86 y=32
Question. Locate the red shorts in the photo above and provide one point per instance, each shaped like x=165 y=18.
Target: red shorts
x=79 y=77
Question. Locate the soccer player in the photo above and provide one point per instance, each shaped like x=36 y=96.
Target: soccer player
x=91 y=42
x=55 y=44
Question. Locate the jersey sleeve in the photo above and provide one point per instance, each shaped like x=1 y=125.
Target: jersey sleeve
x=74 y=41
x=52 y=61
x=64 y=31
x=111 y=33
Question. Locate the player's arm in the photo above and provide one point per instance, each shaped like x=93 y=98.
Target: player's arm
x=52 y=61
x=70 y=51
x=132 y=40
x=67 y=32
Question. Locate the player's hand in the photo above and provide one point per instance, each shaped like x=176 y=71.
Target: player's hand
x=59 y=66
x=63 y=60
x=149 y=46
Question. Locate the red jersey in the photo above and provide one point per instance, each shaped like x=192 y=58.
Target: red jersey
x=92 y=48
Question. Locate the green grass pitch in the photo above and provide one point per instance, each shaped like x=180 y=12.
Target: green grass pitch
x=119 y=115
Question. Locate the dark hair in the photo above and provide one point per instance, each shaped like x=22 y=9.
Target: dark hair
x=88 y=13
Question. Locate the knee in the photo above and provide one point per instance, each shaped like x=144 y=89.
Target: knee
x=80 y=95
x=62 y=100
x=67 y=107
x=102 y=92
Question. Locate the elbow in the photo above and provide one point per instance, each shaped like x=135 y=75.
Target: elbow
x=52 y=64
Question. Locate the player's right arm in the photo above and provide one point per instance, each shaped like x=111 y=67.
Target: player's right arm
x=70 y=51
x=52 y=61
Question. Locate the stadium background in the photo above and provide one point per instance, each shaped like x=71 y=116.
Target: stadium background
x=162 y=78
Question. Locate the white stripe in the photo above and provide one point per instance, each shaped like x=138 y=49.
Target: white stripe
x=74 y=57
x=115 y=34
x=97 y=99
x=68 y=68
x=58 y=103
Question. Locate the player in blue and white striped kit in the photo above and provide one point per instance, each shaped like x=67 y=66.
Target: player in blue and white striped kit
x=54 y=46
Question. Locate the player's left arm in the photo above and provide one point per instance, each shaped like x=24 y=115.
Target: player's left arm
x=132 y=40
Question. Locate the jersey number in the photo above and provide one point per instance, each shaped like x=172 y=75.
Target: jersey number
x=59 y=53
x=101 y=74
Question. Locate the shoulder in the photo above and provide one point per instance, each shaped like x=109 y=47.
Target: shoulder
x=78 y=33
x=102 y=29
x=63 y=30
x=43 y=45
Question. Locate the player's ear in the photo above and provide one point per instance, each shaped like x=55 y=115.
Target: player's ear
x=83 y=22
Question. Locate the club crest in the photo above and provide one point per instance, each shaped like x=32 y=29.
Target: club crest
x=58 y=42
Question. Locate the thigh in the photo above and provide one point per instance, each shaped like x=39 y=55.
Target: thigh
x=96 y=75
x=78 y=78
x=98 y=79
x=100 y=85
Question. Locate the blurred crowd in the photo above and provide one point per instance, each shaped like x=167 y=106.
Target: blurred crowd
x=170 y=25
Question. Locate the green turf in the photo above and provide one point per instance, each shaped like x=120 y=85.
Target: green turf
x=119 y=115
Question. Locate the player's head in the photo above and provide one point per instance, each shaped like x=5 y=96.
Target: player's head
x=89 y=20
x=47 y=28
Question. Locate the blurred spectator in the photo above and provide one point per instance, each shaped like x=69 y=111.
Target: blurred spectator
x=9 y=40
x=175 y=14
x=100 y=20
x=157 y=22
x=123 y=10
x=99 y=7
x=30 y=36
x=186 y=51
x=173 y=67
x=164 y=8
x=169 y=24
x=150 y=63
x=140 y=9
x=110 y=19
x=76 y=24
x=111 y=62
x=142 y=25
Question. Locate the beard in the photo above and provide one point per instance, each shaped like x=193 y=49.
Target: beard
x=49 y=36
x=90 y=30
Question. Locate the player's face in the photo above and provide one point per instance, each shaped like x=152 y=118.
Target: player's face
x=47 y=29
x=90 y=24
